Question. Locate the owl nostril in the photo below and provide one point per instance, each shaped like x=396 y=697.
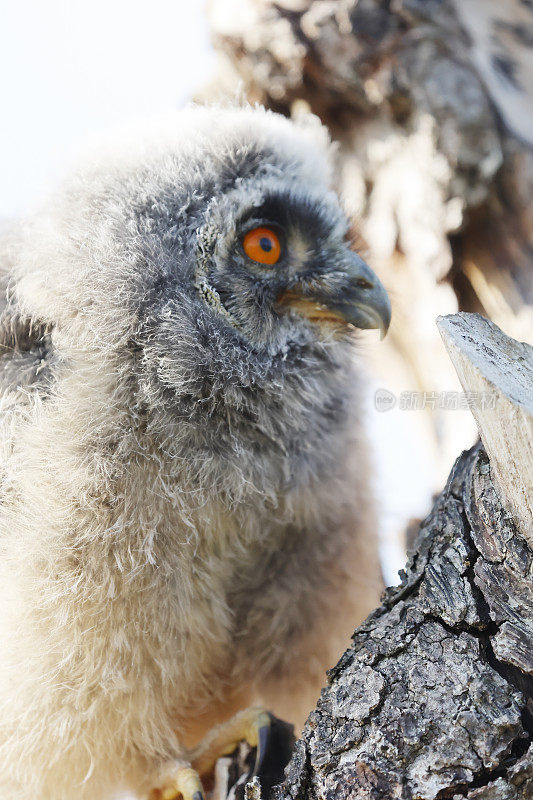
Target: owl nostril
x=362 y=283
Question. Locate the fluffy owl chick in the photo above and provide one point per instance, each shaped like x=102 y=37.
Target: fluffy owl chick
x=185 y=510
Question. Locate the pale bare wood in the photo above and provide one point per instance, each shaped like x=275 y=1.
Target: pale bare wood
x=497 y=372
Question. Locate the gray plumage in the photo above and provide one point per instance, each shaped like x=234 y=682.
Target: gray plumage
x=185 y=496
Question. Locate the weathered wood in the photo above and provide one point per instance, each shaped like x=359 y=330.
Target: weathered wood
x=497 y=373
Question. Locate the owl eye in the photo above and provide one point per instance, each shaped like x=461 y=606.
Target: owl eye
x=262 y=245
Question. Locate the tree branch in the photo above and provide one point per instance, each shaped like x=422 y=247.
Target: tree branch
x=499 y=371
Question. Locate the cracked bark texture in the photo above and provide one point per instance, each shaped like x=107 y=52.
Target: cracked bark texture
x=434 y=696
x=431 y=105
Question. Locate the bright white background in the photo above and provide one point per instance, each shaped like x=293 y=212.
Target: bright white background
x=73 y=67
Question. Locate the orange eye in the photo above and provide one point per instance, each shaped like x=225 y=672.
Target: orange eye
x=262 y=245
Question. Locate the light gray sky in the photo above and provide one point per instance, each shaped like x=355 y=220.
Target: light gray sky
x=72 y=67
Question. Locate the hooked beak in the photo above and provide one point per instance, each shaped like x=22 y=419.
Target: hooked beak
x=357 y=298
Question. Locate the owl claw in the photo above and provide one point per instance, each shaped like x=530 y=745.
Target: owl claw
x=180 y=782
x=263 y=738
x=251 y=725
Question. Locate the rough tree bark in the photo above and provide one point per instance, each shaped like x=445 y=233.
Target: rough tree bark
x=432 y=698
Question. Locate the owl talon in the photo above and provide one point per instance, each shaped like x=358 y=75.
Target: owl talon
x=263 y=737
x=181 y=782
x=251 y=725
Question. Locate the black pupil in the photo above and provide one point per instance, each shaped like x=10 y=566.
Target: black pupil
x=266 y=244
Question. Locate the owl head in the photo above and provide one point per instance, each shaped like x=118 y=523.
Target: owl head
x=210 y=249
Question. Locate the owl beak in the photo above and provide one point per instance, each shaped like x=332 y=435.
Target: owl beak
x=353 y=296
x=363 y=301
